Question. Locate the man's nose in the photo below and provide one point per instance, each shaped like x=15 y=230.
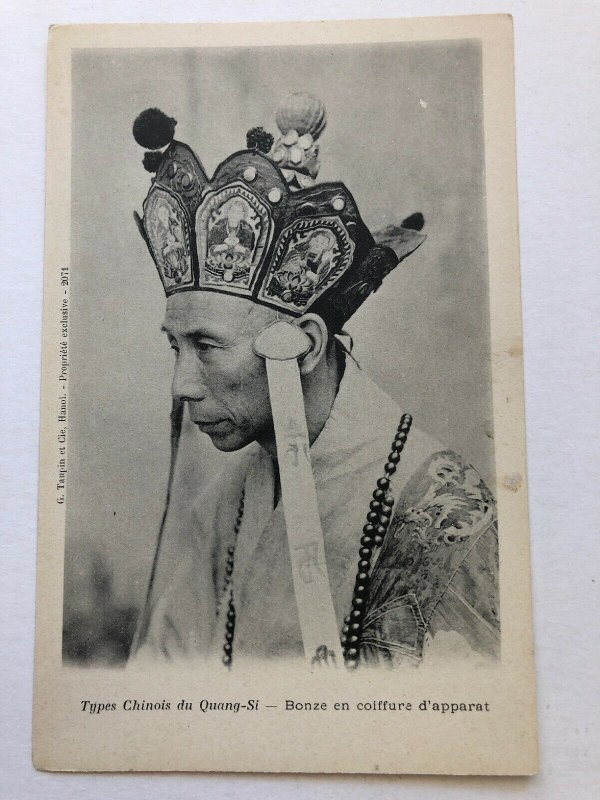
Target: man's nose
x=188 y=379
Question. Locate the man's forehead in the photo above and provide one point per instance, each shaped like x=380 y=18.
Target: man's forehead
x=214 y=314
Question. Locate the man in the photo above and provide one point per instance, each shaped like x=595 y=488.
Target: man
x=404 y=541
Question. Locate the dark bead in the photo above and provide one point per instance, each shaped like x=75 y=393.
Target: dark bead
x=347 y=619
x=364 y=565
x=229 y=636
x=343 y=641
x=384 y=517
x=230 y=627
x=359 y=588
x=378 y=494
x=365 y=552
x=355 y=626
x=374 y=505
x=368 y=529
x=356 y=614
x=231 y=614
x=345 y=629
x=389 y=468
x=383 y=483
x=353 y=639
x=231 y=549
x=352 y=652
x=227 y=649
x=394 y=458
x=373 y=517
x=366 y=541
x=362 y=577
x=381 y=530
x=378 y=541
x=351 y=664
x=227 y=660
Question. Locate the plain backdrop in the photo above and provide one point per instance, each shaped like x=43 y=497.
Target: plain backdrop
x=557 y=71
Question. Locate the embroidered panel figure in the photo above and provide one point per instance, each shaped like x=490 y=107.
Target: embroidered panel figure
x=232 y=230
x=338 y=531
x=169 y=239
x=308 y=257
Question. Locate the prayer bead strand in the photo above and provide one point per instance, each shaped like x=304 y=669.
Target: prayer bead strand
x=378 y=521
x=228 y=585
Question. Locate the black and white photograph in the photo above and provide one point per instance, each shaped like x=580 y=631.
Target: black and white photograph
x=286 y=193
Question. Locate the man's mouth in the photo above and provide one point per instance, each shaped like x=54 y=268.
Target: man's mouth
x=209 y=425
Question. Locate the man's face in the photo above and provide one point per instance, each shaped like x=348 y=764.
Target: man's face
x=216 y=370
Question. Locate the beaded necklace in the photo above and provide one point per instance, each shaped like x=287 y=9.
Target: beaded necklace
x=374 y=531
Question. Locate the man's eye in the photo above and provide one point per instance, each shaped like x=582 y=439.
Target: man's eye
x=204 y=347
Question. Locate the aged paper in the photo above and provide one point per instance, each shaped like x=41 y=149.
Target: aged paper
x=355 y=185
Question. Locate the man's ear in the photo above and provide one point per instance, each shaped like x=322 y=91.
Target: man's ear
x=316 y=330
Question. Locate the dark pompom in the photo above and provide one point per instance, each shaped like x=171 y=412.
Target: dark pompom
x=259 y=139
x=415 y=222
x=152 y=160
x=152 y=129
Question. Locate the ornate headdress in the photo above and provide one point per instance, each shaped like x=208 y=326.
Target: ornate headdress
x=260 y=227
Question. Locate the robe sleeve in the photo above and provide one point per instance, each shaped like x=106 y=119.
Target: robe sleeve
x=183 y=603
x=436 y=578
x=182 y=609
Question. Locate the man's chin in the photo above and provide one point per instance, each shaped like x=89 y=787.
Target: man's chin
x=226 y=439
x=227 y=444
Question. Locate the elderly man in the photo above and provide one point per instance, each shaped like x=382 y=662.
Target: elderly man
x=338 y=531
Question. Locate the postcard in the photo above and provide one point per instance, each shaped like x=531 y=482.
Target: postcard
x=283 y=493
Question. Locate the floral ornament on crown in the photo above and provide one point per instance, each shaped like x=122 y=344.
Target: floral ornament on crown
x=301 y=119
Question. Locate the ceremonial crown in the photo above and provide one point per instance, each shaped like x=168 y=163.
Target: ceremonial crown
x=260 y=227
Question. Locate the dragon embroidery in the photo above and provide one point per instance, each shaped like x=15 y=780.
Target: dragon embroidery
x=456 y=504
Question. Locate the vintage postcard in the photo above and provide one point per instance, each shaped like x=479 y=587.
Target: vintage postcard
x=283 y=496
